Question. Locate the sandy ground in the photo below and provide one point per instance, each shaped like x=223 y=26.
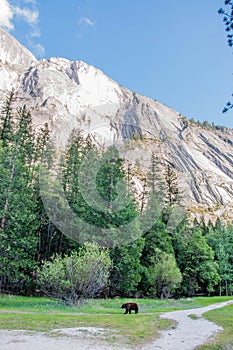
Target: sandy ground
x=188 y=334
x=83 y=338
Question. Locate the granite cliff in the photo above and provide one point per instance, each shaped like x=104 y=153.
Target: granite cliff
x=69 y=95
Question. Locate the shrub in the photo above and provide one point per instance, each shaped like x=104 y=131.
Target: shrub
x=81 y=275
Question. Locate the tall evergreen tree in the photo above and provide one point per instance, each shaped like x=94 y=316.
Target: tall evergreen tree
x=109 y=207
x=127 y=269
x=7 y=120
x=155 y=179
x=196 y=262
x=220 y=239
x=156 y=237
x=21 y=209
x=17 y=211
x=171 y=183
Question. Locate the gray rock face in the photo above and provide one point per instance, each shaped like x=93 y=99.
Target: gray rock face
x=13 y=53
x=14 y=60
x=71 y=95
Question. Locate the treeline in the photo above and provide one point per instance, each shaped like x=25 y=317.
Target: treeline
x=37 y=258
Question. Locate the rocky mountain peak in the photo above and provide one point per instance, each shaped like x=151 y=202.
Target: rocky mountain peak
x=14 y=54
x=72 y=94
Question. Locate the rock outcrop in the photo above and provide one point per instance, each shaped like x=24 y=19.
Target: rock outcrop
x=71 y=95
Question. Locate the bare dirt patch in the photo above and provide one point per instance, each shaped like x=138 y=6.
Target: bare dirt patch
x=61 y=339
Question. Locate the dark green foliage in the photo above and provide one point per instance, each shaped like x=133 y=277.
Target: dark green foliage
x=156 y=238
x=227 y=14
x=220 y=238
x=98 y=190
x=127 y=269
x=18 y=219
x=196 y=262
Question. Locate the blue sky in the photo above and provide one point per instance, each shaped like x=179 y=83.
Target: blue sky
x=172 y=51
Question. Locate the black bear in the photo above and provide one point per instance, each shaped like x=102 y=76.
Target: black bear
x=130 y=306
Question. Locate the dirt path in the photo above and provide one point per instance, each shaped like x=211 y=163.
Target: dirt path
x=188 y=334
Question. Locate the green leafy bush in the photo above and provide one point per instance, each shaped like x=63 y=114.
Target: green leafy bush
x=81 y=275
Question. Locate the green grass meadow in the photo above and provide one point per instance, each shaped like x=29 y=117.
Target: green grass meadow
x=43 y=314
x=224 y=318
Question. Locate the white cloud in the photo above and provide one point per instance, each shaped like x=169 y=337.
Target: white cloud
x=26 y=14
x=26 y=11
x=36 y=33
x=6 y=15
x=33 y=2
x=38 y=49
x=86 y=21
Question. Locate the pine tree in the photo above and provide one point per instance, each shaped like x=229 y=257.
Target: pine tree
x=17 y=211
x=127 y=269
x=172 y=189
x=196 y=262
x=220 y=240
x=96 y=189
x=7 y=120
x=42 y=140
x=19 y=151
x=156 y=237
x=155 y=178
